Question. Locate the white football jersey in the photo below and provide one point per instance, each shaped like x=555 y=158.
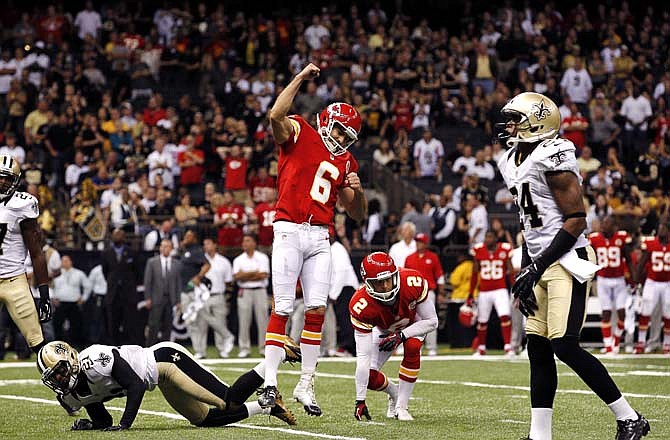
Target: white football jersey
x=97 y=362
x=13 y=211
x=540 y=216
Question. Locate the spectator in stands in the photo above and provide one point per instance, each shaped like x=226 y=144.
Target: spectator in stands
x=71 y=291
x=421 y=221
x=405 y=246
x=483 y=69
x=185 y=213
x=74 y=172
x=587 y=163
x=604 y=131
x=154 y=237
x=88 y=22
x=123 y=214
x=251 y=271
x=236 y=165
x=230 y=219
x=647 y=169
x=481 y=168
x=162 y=287
x=161 y=163
x=383 y=154
x=374 y=232
x=576 y=84
x=574 y=127
x=428 y=156
x=636 y=110
x=478 y=222
x=191 y=162
x=443 y=217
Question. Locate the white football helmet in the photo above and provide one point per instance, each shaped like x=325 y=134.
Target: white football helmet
x=58 y=363
x=10 y=175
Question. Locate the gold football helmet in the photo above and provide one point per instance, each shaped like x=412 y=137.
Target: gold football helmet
x=10 y=174
x=530 y=117
x=58 y=363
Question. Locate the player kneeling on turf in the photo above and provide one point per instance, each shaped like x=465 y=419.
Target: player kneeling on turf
x=390 y=310
x=101 y=372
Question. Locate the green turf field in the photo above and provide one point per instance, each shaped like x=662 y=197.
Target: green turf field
x=456 y=398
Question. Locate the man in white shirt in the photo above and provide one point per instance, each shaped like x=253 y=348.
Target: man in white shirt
x=428 y=156
x=71 y=290
x=161 y=161
x=406 y=246
x=8 y=69
x=96 y=310
x=465 y=162
x=251 y=271
x=479 y=220
x=215 y=311
x=315 y=32
x=164 y=232
x=111 y=194
x=636 y=108
x=576 y=83
x=16 y=151
x=482 y=168
x=73 y=171
x=88 y=22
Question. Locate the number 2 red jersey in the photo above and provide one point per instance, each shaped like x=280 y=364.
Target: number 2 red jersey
x=609 y=252
x=492 y=265
x=366 y=312
x=309 y=177
x=658 y=267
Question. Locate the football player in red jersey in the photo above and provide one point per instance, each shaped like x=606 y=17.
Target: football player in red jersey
x=391 y=309
x=655 y=261
x=492 y=264
x=315 y=170
x=427 y=263
x=611 y=251
x=265 y=215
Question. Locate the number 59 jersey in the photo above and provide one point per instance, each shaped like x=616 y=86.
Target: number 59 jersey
x=309 y=176
x=540 y=216
x=13 y=211
x=366 y=312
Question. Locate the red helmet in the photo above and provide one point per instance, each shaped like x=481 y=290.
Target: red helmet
x=346 y=118
x=467 y=315
x=376 y=267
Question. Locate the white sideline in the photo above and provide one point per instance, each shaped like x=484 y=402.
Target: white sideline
x=168 y=415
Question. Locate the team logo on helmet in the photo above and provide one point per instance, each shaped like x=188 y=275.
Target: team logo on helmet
x=60 y=349
x=540 y=111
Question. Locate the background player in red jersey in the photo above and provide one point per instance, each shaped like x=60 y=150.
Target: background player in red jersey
x=315 y=170
x=611 y=251
x=390 y=310
x=492 y=264
x=655 y=261
x=427 y=263
x=265 y=215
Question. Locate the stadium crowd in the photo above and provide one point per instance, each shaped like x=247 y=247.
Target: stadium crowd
x=154 y=123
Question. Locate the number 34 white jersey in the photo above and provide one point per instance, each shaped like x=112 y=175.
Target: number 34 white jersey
x=13 y=211
x=540 y=216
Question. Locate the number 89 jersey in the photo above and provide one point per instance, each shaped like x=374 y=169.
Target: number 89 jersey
x=366 y=312
x=13 y=211
x=309 y=177
x=609 y=252
x=540 y=216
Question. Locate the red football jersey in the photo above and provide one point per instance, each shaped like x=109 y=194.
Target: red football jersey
x=230 y=232
x=428 y=265
x=309 y=176
x=236 y=173
x=492 y=265
x=609 y=252
x=658 y=268
x=259 y=187
x=266 y=215
x=366 y=312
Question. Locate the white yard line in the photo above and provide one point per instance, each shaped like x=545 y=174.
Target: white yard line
x=173 y=416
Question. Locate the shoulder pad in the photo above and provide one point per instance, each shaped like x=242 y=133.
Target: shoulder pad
x=556 y=155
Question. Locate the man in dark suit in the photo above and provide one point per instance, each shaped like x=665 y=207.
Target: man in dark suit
x=121 y=269
x=162 y=282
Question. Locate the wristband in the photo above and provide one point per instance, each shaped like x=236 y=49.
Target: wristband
x=562 y=243
x=44 y=291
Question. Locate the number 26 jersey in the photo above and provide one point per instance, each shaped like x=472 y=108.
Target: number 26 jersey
x=540 y=216
x=366 y=312
x=309 y=176
x=13 y=211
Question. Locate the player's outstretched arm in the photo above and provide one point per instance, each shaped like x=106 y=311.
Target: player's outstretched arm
x=278 y=114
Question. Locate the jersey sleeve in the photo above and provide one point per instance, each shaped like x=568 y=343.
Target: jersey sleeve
x=645 y=242
x=423 y=292
x=27 y=206
x=296 y=124
x=557 y=155
x=98 y=361
x=358 y=306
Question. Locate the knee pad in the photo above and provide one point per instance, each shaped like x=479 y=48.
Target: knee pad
x=566 y=348
x=540 y=350
x=377 y=380
x=412 y=348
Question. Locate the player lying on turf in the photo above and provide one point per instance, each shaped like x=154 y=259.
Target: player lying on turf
x=101 y=372
x=390 y=310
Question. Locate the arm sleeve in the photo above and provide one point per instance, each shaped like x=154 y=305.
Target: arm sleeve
x=99 y=415
x=450 y=222
x=131 y=382
x=426 y=321
x=363 y=357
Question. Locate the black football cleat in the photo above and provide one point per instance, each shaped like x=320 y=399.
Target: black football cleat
x=268 y=397
x=632 y=429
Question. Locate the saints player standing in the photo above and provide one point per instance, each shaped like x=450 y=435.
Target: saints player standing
x=541 y=172
x=19 y=231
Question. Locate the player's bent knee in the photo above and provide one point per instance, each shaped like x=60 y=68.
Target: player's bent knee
x=283 y=306
x=539 y=349
x=412 y=348
x=377 y=380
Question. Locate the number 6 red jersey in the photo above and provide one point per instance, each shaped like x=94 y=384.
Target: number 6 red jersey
x=309 y=176
x=609 y=252
x=492 y=265
x=658 y=267
x=366 y=312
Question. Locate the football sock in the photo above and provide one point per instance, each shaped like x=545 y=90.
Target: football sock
x=540 y=423
x=622 y=409
x=506 y=329
x=606 y=329
x=587 y=367
x=404 y=393
x=642 y=329
x=253 y=408
x=245 y=386
x=481 y=336
x=274 y=347
x=618 y=331
x=391 y=389
x=220 y=417
x=543 y=378
x=310 y=342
